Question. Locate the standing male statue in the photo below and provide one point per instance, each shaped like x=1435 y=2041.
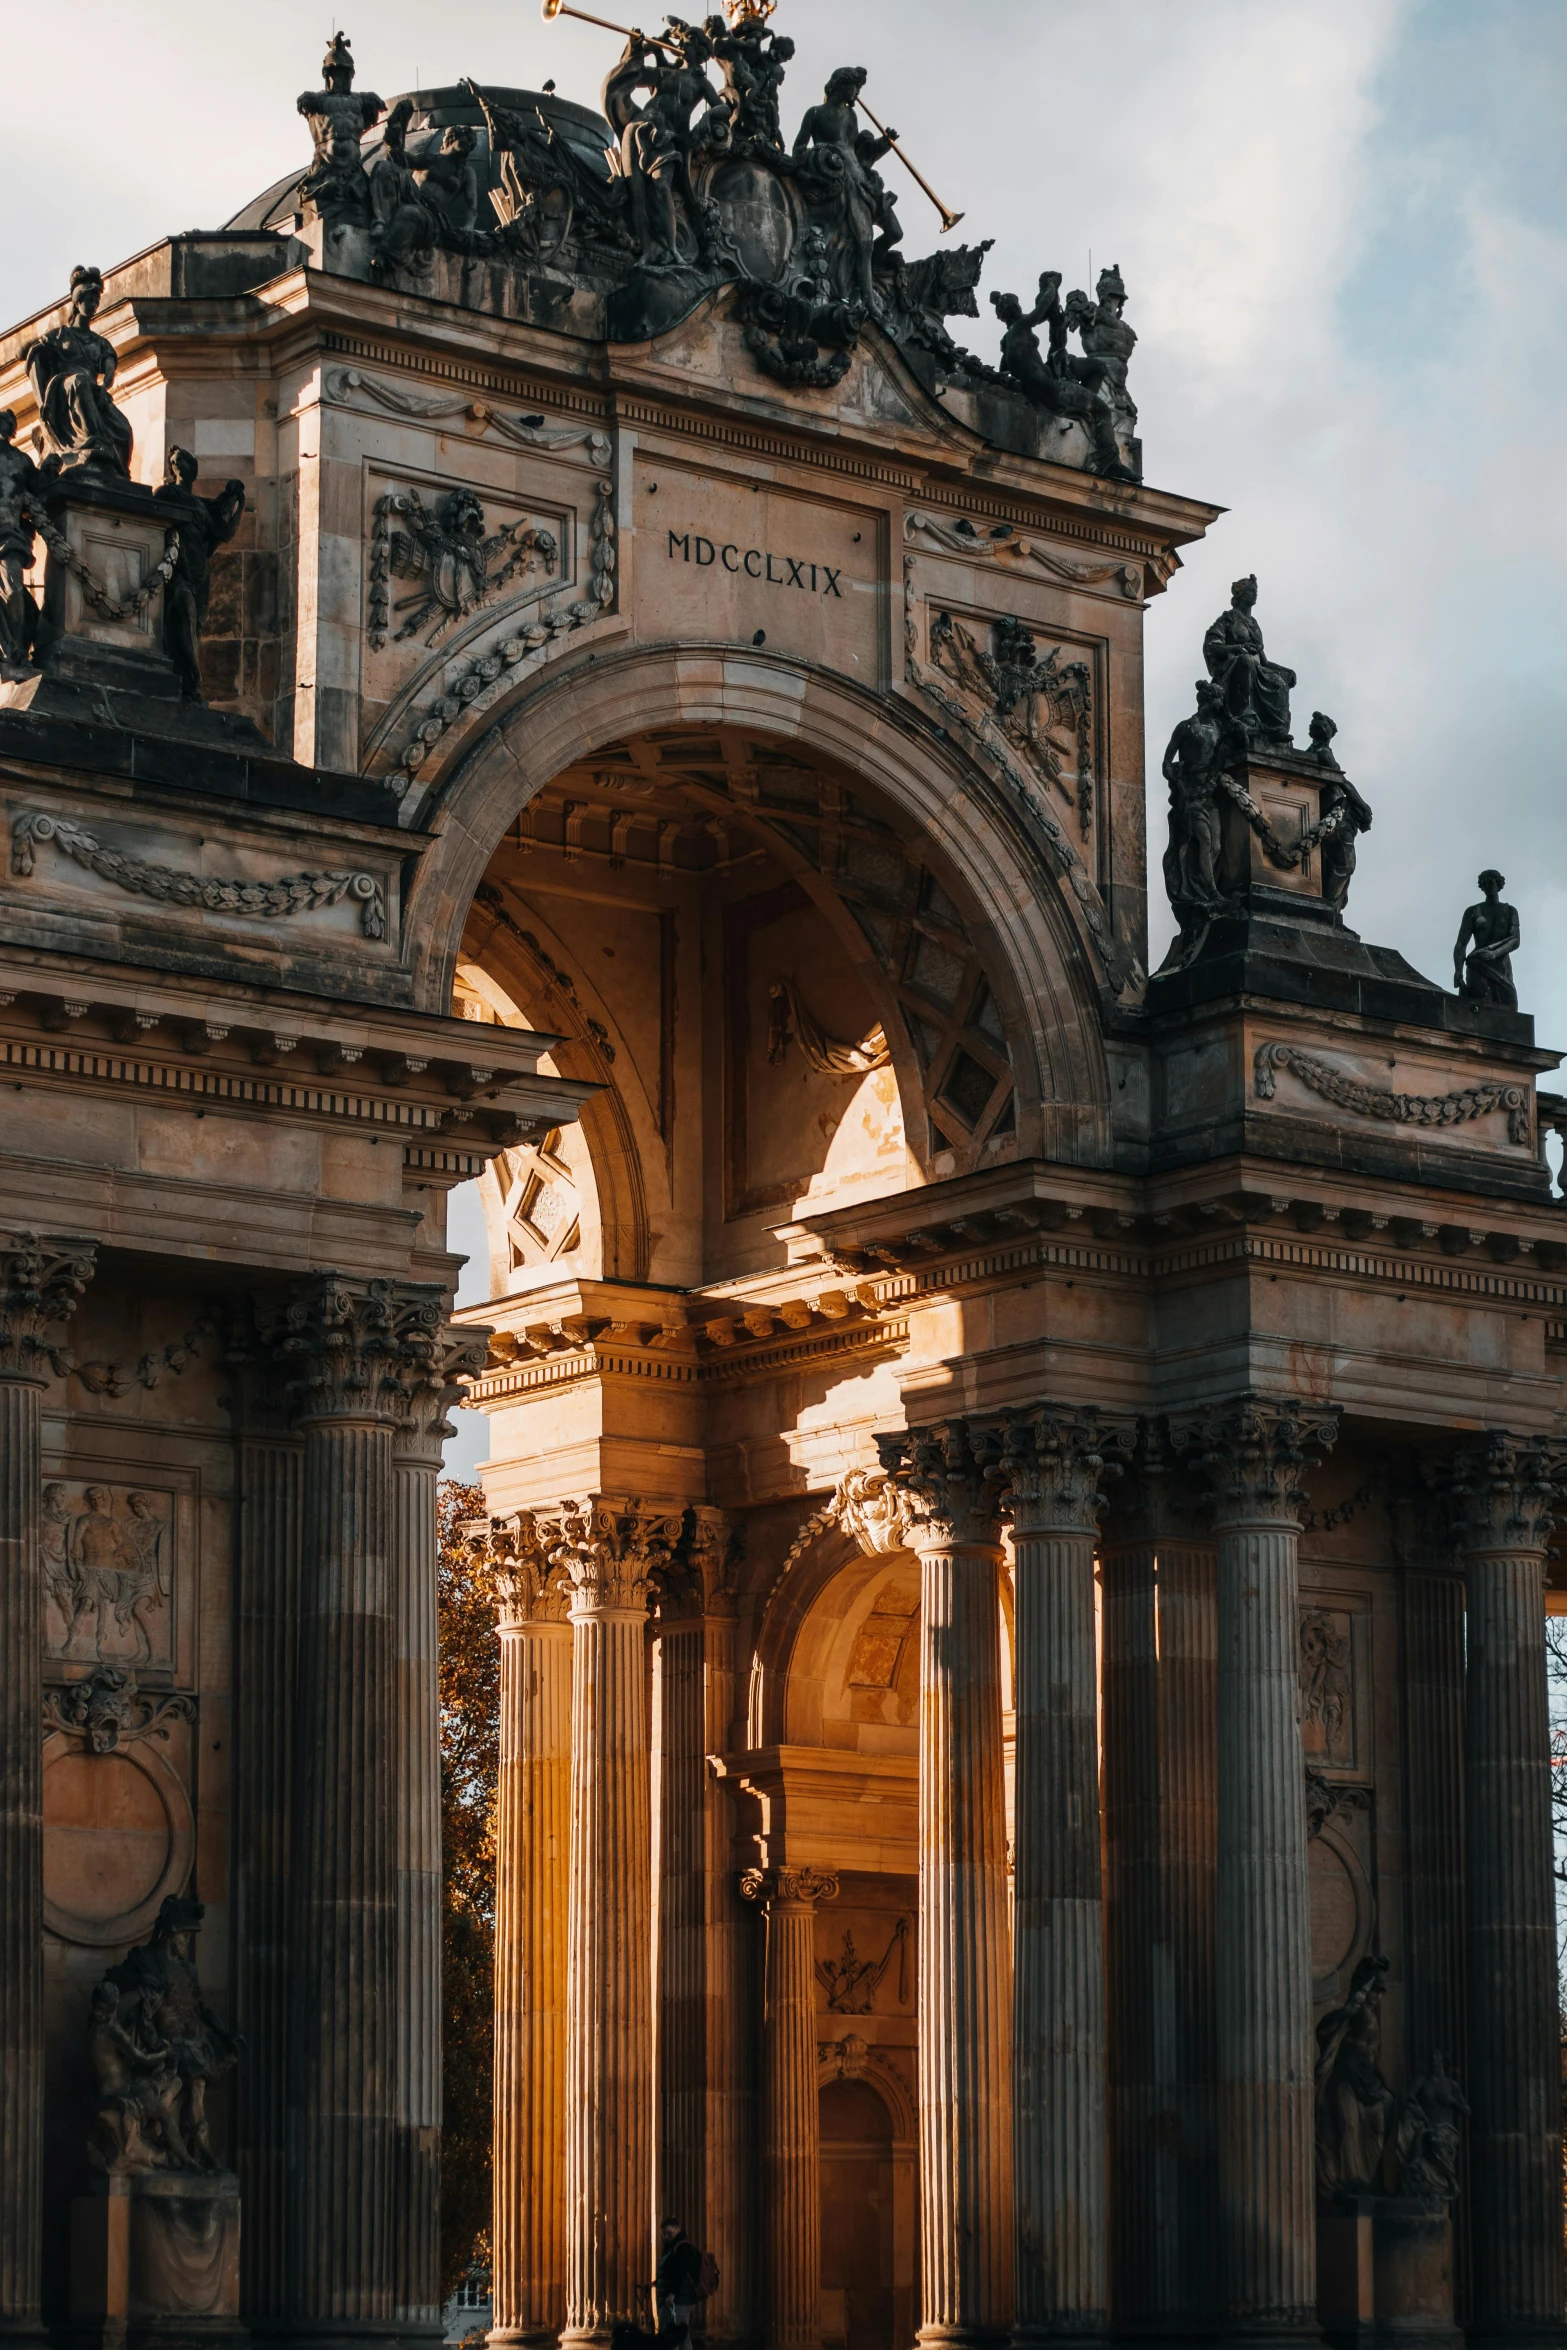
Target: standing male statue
x=1192 y=762
x=338 y=116
x=72 y=372
x=1256 y=690
x=1490 y=933
x=836 y=163
x=19 y=480
x=203 y=525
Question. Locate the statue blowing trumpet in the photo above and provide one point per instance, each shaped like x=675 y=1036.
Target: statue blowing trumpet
x=949 y=219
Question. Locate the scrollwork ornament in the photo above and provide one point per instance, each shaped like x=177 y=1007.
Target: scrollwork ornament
x=41 y=1279
x=951 y=1474
x=1254 y=1453
x=789 y=1887
x=108 y=1710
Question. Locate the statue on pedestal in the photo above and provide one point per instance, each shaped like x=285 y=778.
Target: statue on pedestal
x=1052 y=384
x=204 y=524
x=1429 y=2139
x=338 y=117
x=19 y=480
x=1192 y=762
x=1490 y=933
x=155 y=2045
x=1256 y=690
x=1354 y=2102
x=656 y=142
x=71 y=369
x=1108 y=343
x=1340 y=807
x=835 y=163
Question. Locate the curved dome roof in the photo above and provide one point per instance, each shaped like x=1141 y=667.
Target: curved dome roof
x=434 y=112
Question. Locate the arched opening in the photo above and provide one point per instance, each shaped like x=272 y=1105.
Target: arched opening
x=786 y=999
x=869 y=2220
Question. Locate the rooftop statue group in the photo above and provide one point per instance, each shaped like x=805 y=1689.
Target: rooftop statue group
x=1243 y=710
x=698 y=189
x=83 y=438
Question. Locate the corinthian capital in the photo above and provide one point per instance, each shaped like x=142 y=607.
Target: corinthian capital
x=1058 y=1461
x=41 y=1278
x=530 y=1586
x=792 y=1888
x=437 y=1387
x=1254 y=1452
x=1505 y=1491
x=361 y=1350
x=699 y=1578
x=950 y=1475
x=611 y=1551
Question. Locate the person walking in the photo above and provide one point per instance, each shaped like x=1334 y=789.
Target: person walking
x=678 y=2285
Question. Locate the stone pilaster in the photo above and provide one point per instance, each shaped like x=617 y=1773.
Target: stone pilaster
x=948 y=1477
x=532 y=1882
x=1058 y=1462
x=40 y=1282
x=1254 y=1455
x=1505 y=1490
x=1432 y=1609
x=416 y=1468
x=360 y=1355
x=791 y=2196
x=611 y=1551
x=1160 y=1768
x=703 y=1944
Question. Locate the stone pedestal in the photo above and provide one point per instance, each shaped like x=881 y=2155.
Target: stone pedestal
x=1057 y=1462
x=40 y=1282
x=1285 y=791
x=1385 y=2273
x=1254 y=1454
x=155 y=2262
x=791 y=2198
x=1505 y=1490
x=610 y=1551
x=965 y=2077
x=532 y=1881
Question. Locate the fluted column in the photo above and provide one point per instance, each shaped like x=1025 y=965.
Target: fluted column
x=791 y=2198
x=947 y=1477
x=1254 y=1454
x=358 y=1353
x=1160 y=1764
x=266 y=1631
x=1057 y=1463
x=1506 y=1490
x=40 y=1282
x=1432 y=1611
x=703 y=1944
x=532 y=1876
x=611 y=1551
x=416 y=1467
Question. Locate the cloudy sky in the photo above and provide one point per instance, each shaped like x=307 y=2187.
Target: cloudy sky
x=1343 y=226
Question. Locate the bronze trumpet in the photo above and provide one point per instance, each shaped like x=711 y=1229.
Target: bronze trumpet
x=554 y=8
x=949 y=220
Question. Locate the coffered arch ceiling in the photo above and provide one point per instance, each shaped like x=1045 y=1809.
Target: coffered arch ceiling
x=989 y=993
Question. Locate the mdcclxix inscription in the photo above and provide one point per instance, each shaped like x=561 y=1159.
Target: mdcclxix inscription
x=756 y=563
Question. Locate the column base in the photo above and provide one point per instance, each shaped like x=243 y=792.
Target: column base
x=965 y=2337
x=523 y=2337
x=1295 y=2329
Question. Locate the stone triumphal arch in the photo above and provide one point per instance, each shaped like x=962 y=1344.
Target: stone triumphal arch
x=1019 y=1488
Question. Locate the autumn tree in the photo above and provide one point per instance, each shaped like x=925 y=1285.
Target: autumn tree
x=470 y=1719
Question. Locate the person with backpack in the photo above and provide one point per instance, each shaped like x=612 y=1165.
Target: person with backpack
x=685 y=2277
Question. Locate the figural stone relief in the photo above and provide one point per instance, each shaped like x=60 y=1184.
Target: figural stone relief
x=451 y=562
x=109 y=1568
